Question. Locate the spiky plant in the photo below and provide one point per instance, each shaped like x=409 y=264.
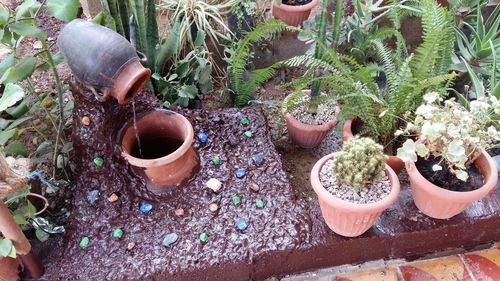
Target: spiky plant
x=243 y=82
x=360 y=161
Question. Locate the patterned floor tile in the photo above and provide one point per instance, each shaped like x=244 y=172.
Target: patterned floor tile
x=484 y=265
x=381 y=274
x=444 y=269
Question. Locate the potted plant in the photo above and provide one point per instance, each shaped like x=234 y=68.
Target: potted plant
x=380 y=106
x=354 y=186
x=448 y=165
x=293 y=12
x=309 y=115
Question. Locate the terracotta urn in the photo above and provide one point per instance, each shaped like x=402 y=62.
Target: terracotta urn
x=103 y=60
x=293 y=15
x=160 y=149
x=396 y=164
x=304 y=135
x=9 y=269
x=346 y=218
x=440 y=203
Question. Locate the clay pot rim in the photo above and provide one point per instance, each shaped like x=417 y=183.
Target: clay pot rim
x=349 y=206
x=460 y=196
x=139 y=75
x=299 y=8
x=302 y=126
x=147 y=163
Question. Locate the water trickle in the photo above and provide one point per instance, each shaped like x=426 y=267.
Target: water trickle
x=139 y=146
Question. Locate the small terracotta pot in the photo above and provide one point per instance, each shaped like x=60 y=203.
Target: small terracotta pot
x=440 y=203
x=103 y=60
x=396 y=164
x=346 y=218
x=168 y=159
x=9 y=269
x=304 y=135
x=293 y=15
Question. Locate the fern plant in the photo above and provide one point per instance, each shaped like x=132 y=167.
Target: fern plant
x=244 y=82
x=382 y=110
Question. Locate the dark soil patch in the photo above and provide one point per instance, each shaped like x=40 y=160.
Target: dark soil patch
x=296 y=2
x=445 y=179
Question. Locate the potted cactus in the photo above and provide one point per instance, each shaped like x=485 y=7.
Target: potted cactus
x=354 y=186
x=448 y=165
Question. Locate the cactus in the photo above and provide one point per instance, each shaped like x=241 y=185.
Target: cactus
x=361 y=161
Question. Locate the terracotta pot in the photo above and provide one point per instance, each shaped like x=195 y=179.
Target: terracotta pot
x=346 y=218
x=293 y=15
x=440 y=203
x=168 y=161
x=9 y=269
x=396 y=164
x=308 y=136
x=103 y=60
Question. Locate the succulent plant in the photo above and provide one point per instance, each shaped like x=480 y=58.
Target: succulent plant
x=361 y=161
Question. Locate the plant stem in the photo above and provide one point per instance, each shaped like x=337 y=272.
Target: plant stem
x=339 y=6
x=47 y=112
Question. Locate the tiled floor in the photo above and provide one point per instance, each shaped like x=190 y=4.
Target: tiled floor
x=481 y=265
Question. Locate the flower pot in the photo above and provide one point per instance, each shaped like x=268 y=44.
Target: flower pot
x=304 y=135
x=347 y=218
x=293 y=15
x=440 y=203
x=164 y=156
x=396 y=164
x=103 y=60
x=9 y=269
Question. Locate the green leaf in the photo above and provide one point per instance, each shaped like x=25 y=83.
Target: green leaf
x=41 y=235
x=421 y=150
x=16 y=148
x=18 y=122
x=22 y=70
x=188 y=91
x=58 y=58
x=18 y=110
x=26 y=8
x=11 y=95
x=5 y=136
x=200 y=39
x=27 y=30
x=7 y=63
x=6 y=246
x=407 y=151
x=68 y=147
x=65 y=10
x=4 y=16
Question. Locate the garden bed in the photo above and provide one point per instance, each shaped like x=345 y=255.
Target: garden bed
x=287 y=236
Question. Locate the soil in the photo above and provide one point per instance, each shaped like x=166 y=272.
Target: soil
x=445 y=179
x=324 y=113
x=295 y=2
x=370 y=193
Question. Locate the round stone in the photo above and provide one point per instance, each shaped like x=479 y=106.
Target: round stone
x=244 y=121
x=84 y=243
x=146 y=207
x=202 y=137
x=254 y=187
x=170 y=239
x=213 y=207
x=179 y=212
x=236 y=200
x=259 y=203
x=92 y=196
x=258 y=159
x=233 y=141
x=118 y=233
x=99 y=161
x=86 y=120
x=216 y=160
x=204 y=237
x=242 y=224
x=113 y=198
x=214 y=184
x=240 y=173
x=248 y=134
x=130 y=245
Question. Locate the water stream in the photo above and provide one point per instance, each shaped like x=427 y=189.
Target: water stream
x=137 y=131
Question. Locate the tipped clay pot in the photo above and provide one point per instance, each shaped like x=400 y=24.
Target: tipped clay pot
x=103 y=60
x=9 y=269
x=346 y=218
x=396 y=164
x=440 y=203
x=165 y=156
